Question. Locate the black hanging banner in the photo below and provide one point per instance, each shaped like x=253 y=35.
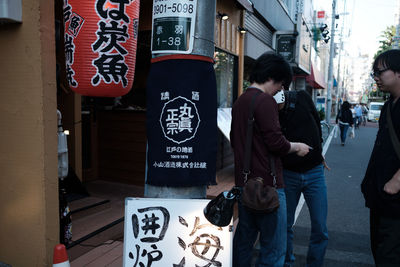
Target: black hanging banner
x=181 y=123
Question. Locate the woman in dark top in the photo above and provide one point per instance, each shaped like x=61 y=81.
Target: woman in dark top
x=300 y=122
x=345 y=119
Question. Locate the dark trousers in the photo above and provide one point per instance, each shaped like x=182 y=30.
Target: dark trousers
x=343 y=132
x=385 y=240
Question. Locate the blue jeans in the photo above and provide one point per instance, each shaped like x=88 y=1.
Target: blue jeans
x=312 y=185
x=272 y=230
x=358 y=121
x=343 y=132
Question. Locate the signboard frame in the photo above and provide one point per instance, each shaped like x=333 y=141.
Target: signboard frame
x=304 y=45
x=301 y=43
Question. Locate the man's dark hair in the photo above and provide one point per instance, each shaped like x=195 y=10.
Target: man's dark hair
x=389 y=59
x=271 y=66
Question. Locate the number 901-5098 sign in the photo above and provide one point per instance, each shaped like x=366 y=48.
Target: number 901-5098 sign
x=173 y=26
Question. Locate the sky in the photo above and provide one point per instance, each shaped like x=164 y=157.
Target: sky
x=365 y=21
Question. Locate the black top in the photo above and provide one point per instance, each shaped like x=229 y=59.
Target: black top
x=301 y=123
x=382 y=165
x=345 y=116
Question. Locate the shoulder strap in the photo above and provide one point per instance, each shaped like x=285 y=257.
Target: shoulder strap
x=292 y=100
x=249 y=137
x=288 y=110
x=392 y=133
x=248 y=144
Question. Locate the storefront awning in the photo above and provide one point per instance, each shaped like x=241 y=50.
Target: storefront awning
x=316 y=79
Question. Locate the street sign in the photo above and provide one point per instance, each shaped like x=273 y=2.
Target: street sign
x=286 y=45
x=321 y=14
x=321 y=103
x=173 y=26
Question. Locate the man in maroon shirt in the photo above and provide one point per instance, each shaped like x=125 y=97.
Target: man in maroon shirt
x=270 y=72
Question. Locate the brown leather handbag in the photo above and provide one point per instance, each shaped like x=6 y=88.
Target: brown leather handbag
x=257 y=196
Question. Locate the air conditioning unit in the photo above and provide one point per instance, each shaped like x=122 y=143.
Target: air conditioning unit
x=10 y=11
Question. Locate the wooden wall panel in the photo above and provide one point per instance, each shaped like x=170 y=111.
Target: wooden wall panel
x=228 y=28
x=223 y=34
x=228 y=36
x=233 y=38
x=217 y=32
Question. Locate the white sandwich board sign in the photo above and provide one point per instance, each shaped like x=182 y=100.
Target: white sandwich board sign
x=173 y=232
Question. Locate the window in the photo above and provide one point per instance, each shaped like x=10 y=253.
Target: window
x=376 y=107
x=226 y=73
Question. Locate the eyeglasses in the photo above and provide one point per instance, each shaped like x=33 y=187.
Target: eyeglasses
x=378 y=72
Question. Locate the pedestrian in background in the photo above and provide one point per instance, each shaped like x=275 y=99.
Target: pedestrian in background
x=345 y=120
x=358 y=112
x=381 y=184
x=269 y=73
x=364 y=114
x=300 y=123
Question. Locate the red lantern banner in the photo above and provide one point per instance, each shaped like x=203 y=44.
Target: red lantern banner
x=100 y=38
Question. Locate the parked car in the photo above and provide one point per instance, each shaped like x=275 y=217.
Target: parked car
x=374 y=110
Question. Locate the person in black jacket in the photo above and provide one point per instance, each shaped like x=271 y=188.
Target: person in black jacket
x=300 y=122
x=345 y=119
x=381 y=184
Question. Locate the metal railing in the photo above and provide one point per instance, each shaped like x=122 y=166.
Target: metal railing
x=326 y=130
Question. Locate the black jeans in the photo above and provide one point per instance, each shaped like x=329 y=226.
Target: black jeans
x=385 y=240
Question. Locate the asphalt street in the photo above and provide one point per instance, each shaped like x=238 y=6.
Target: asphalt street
x=348 y=218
